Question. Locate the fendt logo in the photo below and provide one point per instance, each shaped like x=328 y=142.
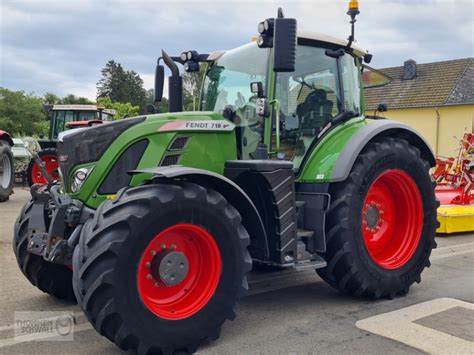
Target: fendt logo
x=206 y=125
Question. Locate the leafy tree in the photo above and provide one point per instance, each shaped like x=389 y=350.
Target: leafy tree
x=161 y=106
x=21 y=114
x=121 y=109
x=50 y=98
x=70 y=99
x=121 y=85
x=192 y=83
x=75 y=100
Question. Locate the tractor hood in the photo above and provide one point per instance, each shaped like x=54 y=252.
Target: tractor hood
x=87 y=145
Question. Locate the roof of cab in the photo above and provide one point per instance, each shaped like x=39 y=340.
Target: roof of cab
x=359 y=51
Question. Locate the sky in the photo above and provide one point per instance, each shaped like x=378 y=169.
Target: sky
x=60 y=46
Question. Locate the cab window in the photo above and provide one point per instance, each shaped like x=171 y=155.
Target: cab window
x=310 y=98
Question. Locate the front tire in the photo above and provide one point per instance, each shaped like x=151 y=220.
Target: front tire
x=7 y=172
x=119 y=267
x=381 y=224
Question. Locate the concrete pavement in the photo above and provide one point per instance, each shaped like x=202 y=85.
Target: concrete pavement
x=293 y=312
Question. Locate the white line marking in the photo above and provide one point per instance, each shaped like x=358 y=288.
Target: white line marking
x=398 y=325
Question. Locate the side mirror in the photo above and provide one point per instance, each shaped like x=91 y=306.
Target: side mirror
x=262 y=108
x=382 y=107
x=159 y=82
x=150 y=109
x=284 y=45
x=257 y=88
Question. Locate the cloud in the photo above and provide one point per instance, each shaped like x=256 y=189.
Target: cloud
x=60 y=46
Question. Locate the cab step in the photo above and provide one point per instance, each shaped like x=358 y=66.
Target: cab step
x=316 y=263
x=302 y=233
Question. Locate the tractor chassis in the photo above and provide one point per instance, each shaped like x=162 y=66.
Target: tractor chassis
x=55 y=224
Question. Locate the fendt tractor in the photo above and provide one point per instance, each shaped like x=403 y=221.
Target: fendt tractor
x=61 y=118
x=157 y=219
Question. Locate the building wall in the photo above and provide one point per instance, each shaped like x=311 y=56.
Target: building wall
x=453 y=120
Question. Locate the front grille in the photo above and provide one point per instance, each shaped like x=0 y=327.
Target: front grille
x=170 y=160
x=88 y=145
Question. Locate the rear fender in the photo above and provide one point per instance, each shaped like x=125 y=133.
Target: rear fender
x=6 y=136
x=332 y=159
x=251 y=219
x=379 y=128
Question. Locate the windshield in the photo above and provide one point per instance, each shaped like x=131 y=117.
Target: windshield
x=227 y=81
x=227 y=88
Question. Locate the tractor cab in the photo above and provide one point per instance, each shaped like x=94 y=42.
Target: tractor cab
x=324 y=85
x=63 y=117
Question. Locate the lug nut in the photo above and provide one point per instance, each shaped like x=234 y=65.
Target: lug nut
x=157 y=284
x=153 y=252
x=149 y=277
x=147 y=265
x=173 y=247
x=163 y=246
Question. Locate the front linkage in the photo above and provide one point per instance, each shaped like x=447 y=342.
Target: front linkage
x=55 y=224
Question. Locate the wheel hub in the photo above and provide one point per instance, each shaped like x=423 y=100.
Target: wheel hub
x=372 y=216
x=169 y=267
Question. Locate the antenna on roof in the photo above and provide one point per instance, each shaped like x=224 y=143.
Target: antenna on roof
x=352 y=12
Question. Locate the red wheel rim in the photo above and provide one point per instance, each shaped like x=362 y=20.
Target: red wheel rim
x=51 y=166
x=392 y=219
x=186 y=298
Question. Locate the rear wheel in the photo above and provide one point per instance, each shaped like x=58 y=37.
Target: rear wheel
x=160 y=268
x=7 y=172
x=49 y=156
x=53 y=279
x=381 y=224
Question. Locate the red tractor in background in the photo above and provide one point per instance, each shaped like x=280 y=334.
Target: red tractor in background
x=62 y=117
x=6 y=166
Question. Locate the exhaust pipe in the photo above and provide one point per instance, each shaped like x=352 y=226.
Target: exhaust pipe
x=175 y=84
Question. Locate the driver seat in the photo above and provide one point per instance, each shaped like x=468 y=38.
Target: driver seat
x=317 y=109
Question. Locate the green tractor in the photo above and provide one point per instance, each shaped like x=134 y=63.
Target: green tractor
x=158 y=218
x=62 y=117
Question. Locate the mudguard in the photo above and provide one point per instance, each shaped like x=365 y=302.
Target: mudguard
x=332 y=158
x=6 y=136
x=251 y=219
x=383 y=127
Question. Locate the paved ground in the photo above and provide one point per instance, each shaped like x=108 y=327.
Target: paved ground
x=289 y=313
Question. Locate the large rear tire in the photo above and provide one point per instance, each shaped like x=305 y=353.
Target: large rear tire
x=119 y=267
x=7 y=172
x=53 y=279
x=34 y=175
x=381 y=224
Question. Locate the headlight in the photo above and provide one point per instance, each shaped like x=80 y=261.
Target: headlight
x=80 y=175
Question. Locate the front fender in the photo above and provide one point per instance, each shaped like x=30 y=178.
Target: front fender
x=251 y=219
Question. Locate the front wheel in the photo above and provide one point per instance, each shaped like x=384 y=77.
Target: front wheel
x=34 y=175
x=160 y=268
x=381 y=224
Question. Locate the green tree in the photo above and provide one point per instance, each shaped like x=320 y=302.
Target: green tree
x=121 y=109
x=161 y=106
x=21 y=114
x=121 y=85
x=75 y=100
x=192 y=83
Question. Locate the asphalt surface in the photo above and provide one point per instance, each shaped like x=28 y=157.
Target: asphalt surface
x=292 y=312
